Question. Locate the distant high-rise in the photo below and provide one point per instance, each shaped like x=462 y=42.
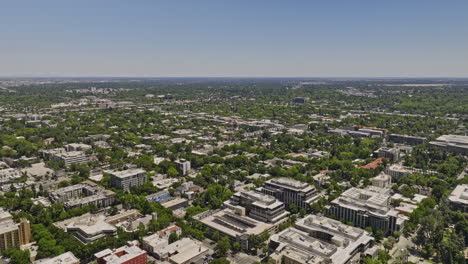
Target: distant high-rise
x=299 y=100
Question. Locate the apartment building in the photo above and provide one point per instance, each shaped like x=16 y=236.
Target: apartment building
x=128 y=178
x=85 y=193
x=405 y=139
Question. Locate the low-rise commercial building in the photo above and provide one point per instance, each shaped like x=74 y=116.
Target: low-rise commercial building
x=155 y=243
x=316 y=240
x=88 y=227
x=183 y=251
x=175 y=203
x=65 y=258
x=159 y=196
x=128 y=254
x=458 y=199
x=234 y=224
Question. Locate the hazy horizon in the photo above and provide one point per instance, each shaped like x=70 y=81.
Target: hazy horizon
x=241 y=39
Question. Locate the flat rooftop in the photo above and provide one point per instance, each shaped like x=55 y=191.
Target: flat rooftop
x=65 y=258
x=291 y=184
x=185 y=250
x=331 y=226
x=366 y=200
x=228 y=222
x=454 y=139
x=260 y=199
x=459 y=194
x=303 y=244
x=127 y=173
x=116 y=257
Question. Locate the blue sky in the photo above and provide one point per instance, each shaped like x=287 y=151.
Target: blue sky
x=257 y=38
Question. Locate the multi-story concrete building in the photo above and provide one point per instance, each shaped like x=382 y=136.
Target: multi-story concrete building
x=405 y=139
x=397 y=171
x=183 y=166
x=367 y=208
x=316 y=240
x=382 y=180
x=77 y=147
x=458 y=199
x=85 y=193
x=391 y=154
x=13 y=235
x=88 y=227
x=128 y=254
x=359 y=134
x=372 y=132
x=452 y=143
x=259 y=206
x=128 y=178
x=247 y=213
x=290 y=191
x=65 y=258
x=174 y=203
x=71 y=157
